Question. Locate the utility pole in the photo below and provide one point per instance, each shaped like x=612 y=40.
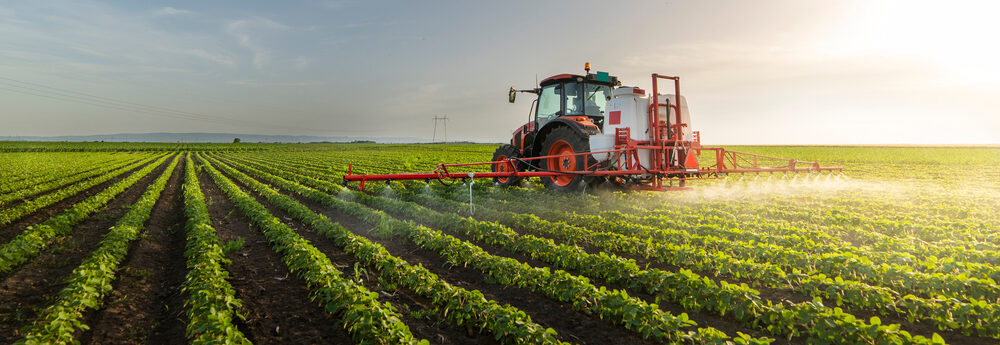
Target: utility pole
x=445 y=120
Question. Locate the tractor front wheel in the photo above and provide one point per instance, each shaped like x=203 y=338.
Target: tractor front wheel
x=506 y=152
x=563 y=143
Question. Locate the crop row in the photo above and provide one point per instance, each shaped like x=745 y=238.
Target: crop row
x=59 y=170
x=971 y=280
x=508 y=324
x=944 y=224
x=849 y=266
x=793 y=236
x=90 y=282
x=842 y=221
x=18 y=167
x=947 y=313
x=947 y=246
x=952 y=263
x=889 y=249
x=10 y=215
x=805 y=244
x=40 y=187
x=35 y=238
x=365 y=318
x=211 y=302
x=613 y=304
x=686 y=288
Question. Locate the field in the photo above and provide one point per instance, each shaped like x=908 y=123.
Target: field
x=263 y=243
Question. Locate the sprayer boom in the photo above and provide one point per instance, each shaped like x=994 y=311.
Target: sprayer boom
x=726 y=162
x=631 y=140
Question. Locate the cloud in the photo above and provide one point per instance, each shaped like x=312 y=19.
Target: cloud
x=254 y=83
x=301 y=62
x=255 y=23
x=336 y=4
x=242 y=30
x=170 y=11
x=221 y=59
x=97 y=40
x=8 y=15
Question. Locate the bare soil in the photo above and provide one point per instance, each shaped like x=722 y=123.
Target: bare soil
x=414 y=309
x=30 y=288
x=146 y=306
x=9 y=231
x=571 y=325
x=276 y=302
x=727 y=325
x=787 y=296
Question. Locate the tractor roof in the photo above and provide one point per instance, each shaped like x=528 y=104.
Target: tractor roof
x=558 y=77
x=590 y=78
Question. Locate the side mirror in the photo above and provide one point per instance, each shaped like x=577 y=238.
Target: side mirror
x=512 y=94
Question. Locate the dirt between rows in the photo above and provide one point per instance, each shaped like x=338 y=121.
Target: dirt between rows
x=414 y=309
x=727 y=325
x=30 y=288
x=146 y=306
x=788 y=295
x=276 y=302
x=9 y=231
x=572 y=325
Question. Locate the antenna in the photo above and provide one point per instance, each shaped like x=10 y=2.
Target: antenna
x=445 y=120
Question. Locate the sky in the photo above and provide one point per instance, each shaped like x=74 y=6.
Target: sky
x=753 y=72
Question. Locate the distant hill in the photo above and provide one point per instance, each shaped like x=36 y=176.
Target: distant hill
x=209 y=138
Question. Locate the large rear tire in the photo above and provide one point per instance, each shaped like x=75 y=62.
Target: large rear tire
x=563 y=142
x=506 y=152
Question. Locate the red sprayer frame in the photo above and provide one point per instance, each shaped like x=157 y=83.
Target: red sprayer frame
x=671 y=158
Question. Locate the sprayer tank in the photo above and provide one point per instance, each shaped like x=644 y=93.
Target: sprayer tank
x=629 y=108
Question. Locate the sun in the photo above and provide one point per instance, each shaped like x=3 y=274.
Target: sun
x=956 y=39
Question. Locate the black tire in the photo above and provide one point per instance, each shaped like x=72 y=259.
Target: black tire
x=562 y=136
x=502 y=152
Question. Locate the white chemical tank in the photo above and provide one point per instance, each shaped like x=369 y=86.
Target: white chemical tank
x=627 y=109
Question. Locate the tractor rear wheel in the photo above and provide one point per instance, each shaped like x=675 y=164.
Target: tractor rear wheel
x=563 y=143
x=507 y=152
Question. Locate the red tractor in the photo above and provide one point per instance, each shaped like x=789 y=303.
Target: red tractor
x=589 y=129
x=570 y=108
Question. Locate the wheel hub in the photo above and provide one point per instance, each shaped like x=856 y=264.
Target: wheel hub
x=564 y=160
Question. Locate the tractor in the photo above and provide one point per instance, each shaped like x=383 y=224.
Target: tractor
x=589 y=129
x=569 y=109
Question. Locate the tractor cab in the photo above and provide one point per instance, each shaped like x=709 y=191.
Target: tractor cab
x=572 y=97
x=570 y=108
x=577 y=102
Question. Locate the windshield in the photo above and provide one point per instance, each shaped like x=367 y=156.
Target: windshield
x=595 y=99
x=574 y=104
x=549 y=103
x=577 y=98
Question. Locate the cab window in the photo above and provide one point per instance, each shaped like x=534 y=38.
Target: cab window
x=574 y=102
x=595 y=99
x=549 y=103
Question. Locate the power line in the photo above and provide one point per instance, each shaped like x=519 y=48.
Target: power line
x=445 y=120
x=71 y=93
x=111 y=103
x=110 y=106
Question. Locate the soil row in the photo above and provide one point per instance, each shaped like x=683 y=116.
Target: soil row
x=30 y=288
